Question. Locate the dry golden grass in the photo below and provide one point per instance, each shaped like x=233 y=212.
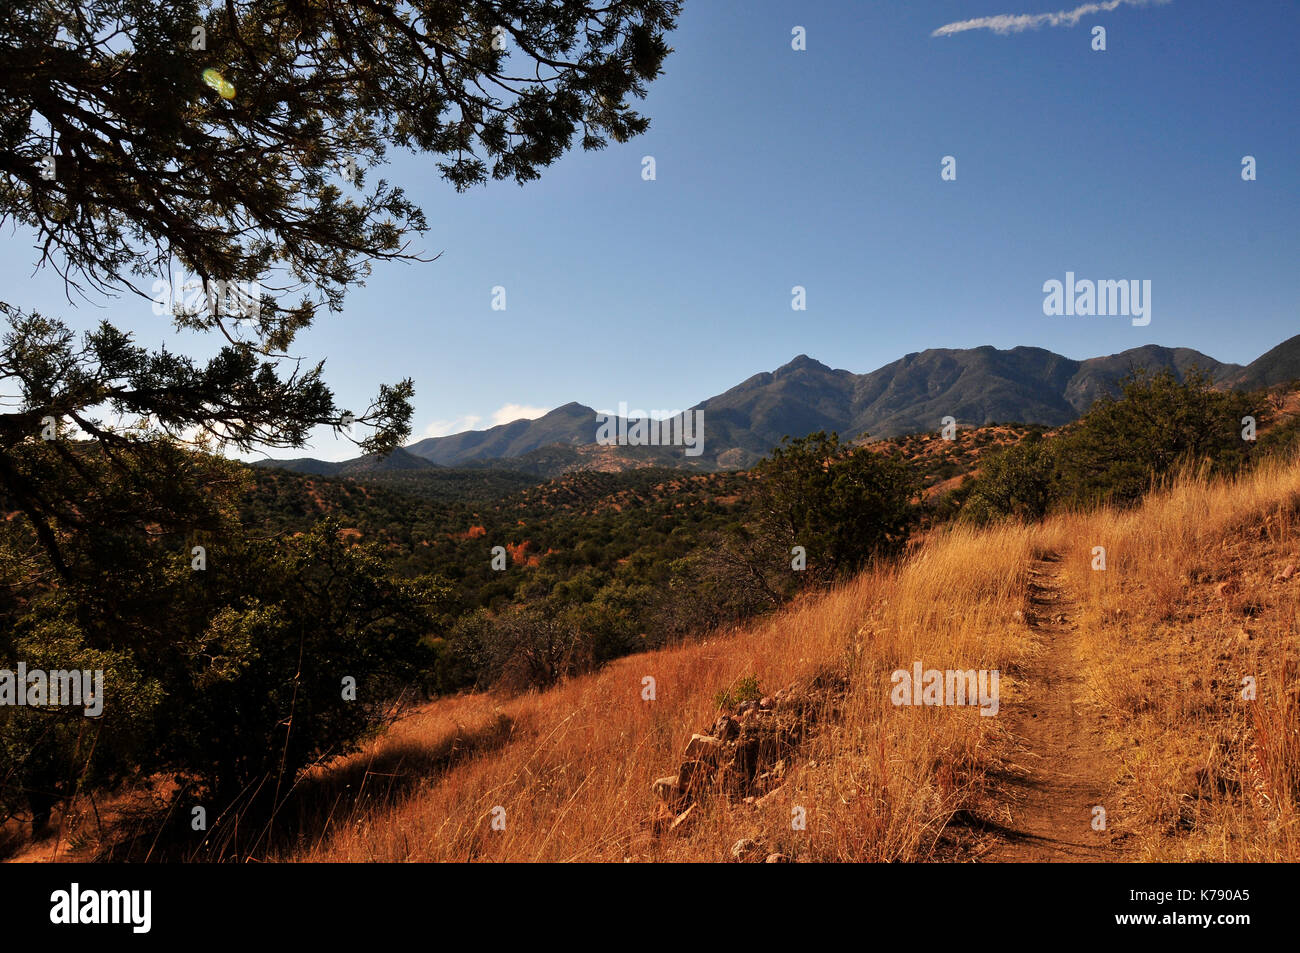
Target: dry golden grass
x=1187 y=607
x=574 y=773
x=1202 y=773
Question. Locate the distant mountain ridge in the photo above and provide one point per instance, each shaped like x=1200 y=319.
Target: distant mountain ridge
x=571 y=424
x=977 y=386
x=399 y=459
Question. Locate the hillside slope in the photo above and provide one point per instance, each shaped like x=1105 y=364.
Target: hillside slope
x=1278 y=366
x=1146 y=710
x=1200 y=587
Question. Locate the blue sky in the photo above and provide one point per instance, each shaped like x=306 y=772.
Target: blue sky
x=821 y=168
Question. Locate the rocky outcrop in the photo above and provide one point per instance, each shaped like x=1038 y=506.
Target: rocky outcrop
x=745 y=756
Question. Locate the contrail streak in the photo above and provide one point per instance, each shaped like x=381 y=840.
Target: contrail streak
x=1005 y=23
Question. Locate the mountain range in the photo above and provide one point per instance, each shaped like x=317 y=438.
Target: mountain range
x=976 y=386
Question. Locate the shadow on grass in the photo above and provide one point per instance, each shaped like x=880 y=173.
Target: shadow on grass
x=260 y=824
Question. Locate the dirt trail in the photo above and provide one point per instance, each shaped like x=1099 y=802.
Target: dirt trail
x=1046 y=809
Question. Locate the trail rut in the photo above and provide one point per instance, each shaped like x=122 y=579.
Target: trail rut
x=1061 y=771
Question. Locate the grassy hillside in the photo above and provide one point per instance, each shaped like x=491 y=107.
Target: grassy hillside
x=638 y=608
x=1192 y=600
x=1200 y=590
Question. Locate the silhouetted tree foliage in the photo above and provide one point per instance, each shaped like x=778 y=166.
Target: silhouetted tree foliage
x=235 y=141
x=239 y=142
x=226 y=671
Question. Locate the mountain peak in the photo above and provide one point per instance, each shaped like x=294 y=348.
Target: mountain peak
x=910 y=395
x=802 y=362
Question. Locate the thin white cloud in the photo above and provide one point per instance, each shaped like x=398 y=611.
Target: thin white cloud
x=518 y=412
x=1005 y=23
x=441 y=428
x=502 y=415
